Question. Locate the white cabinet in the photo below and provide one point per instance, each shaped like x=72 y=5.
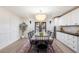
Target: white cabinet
x=70 y=40
x=71 y=18
x=78 y=44
x=59 y=36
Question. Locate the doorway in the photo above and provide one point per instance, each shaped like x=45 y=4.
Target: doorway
x=40 y=26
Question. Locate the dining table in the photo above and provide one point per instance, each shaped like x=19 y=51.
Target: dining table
x=41 y=42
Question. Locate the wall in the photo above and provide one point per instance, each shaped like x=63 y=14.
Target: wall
x=70 y=29
x=9 y=25
x=71 y=18
x=50 y=26
x=31 y=26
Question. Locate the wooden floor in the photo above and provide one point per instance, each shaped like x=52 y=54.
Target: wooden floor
x=61 y=48
x=22 y=46
x=15 y=47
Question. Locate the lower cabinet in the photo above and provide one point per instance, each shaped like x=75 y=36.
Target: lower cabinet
x=69 y=40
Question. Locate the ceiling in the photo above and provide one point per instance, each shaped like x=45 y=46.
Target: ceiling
x=30 y=11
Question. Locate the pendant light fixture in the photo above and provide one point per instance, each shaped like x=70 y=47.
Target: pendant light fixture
x=40 y=16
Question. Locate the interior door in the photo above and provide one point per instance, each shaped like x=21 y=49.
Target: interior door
x=40 y=26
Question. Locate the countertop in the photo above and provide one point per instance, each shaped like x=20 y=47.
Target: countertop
x=75 y=34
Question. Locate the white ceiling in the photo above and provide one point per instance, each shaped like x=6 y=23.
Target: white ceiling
x=50 y=11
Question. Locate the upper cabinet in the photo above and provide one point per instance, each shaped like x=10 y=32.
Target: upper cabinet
x=71 y=18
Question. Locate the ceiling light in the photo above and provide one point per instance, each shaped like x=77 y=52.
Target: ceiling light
x=40 y=17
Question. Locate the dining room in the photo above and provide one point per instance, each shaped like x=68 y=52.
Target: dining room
x=39 y=29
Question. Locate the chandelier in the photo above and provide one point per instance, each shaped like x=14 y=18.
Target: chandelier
x=40 y=17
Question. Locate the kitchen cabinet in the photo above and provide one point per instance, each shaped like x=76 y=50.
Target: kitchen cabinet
x=69 y=40
x=71 y=18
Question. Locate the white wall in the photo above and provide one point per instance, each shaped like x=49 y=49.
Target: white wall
x=71 y=18
x=9 y=25
x=50 y=26
x=30 y=26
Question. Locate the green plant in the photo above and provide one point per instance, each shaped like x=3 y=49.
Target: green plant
x=41 y=33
